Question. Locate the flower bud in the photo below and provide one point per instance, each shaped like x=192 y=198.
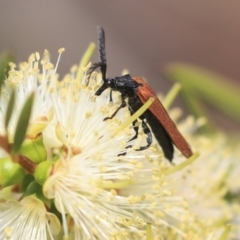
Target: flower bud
x=34 y=149
x=10 y=173
x=42 y=172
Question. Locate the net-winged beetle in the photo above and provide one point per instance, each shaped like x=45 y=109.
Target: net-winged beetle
x=138 y=92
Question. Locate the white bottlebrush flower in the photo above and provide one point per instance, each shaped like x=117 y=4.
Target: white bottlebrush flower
x=27 y=219
x=78 y=115
x=24 y=81
x=203 y=182
x=232 y=182
x=103 y=193
x=109 y=196
x=100 y=192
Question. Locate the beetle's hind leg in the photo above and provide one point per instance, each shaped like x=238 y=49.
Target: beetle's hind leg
x=135 y=128
x=148 y=132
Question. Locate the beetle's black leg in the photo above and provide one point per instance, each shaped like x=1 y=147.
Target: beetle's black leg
x=102 y=66
x=110 y=96
x=147 y=131
x=135 y=128
x=114 y=114
x=123 y=104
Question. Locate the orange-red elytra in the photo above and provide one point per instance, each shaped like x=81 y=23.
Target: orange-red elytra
x=144 y=93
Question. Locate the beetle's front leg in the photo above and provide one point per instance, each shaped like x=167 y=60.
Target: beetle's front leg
x=110 y=96
x=123 y=104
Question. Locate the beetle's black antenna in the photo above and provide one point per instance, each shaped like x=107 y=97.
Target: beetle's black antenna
x=102 y=52
x=102 y=55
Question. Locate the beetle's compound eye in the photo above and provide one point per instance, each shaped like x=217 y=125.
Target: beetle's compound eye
x=108 y=81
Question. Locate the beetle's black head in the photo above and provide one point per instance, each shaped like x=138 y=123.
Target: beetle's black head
x=108 y=83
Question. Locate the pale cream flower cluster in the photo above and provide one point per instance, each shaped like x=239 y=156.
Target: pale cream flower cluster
x=92 y=190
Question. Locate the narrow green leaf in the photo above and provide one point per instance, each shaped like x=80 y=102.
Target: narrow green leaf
x=35 y=189
x=149 y=231
x=213 y=88
x=10 y=108
x=22 y=124
x=85 y=59
x=196 y=108
x=225 y=233
x=5 y=58
x=171 y=95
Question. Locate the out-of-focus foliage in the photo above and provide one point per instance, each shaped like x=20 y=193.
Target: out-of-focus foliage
x=202 y=86
x=5 y=58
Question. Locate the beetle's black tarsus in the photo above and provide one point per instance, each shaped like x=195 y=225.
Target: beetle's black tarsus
x=100 y=65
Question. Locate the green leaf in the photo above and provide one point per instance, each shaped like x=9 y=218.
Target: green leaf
x=54 y=210
x=5 y=58
x=10 y=108
x=85 y=60
x=27 y=179
x=35 y=189
x=171 y=96
x=205 y=85
x=198 y=110
x=225 y=233
x=149 y=231
x=22 y=124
